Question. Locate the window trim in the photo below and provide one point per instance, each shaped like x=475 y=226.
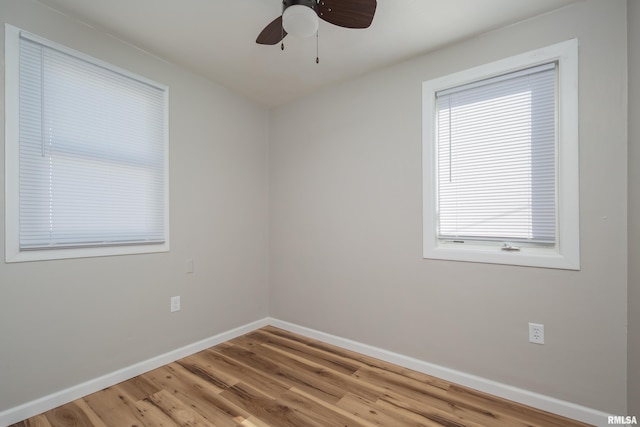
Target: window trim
x=565 y=254
x=13 y=253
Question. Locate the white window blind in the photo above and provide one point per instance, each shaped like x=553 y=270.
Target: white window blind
x=91 y=152
x=496 y=158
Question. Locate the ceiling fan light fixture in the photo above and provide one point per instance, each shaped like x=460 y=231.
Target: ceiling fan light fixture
x=300 y=20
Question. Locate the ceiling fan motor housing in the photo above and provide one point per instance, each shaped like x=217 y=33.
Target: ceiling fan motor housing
x=300 y=17
x=313 y=4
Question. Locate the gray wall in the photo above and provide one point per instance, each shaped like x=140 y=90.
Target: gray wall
x=65 y=322
x=634 y=208
x=345 y=225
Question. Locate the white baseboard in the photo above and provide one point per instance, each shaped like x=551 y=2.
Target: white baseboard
x=38 y=406
x=525 y=397
x=545 y=403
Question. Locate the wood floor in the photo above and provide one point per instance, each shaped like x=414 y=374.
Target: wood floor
x=271 y=377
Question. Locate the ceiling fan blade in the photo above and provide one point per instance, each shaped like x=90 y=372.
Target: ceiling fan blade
x=347 y=13
x=272 y=33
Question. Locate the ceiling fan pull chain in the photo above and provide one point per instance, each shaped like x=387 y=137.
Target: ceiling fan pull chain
x=282 y=38
x=317 y=54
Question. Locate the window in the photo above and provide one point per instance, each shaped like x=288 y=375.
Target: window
x=86 y=155
x=500 y=161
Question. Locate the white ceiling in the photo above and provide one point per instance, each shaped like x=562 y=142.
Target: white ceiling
x=216 y=38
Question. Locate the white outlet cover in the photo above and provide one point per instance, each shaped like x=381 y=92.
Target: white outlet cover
x=175 y=304
x=536 y=333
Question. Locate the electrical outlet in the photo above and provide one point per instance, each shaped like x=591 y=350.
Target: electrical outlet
x=175 y=304
x=536 y=333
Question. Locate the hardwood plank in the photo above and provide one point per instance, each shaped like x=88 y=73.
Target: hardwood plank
x=261 y=406
x=261 y=336
x=337 y=408
x=252 y=422
x=95 y=421
x=314 y=379
x=197 y=365
x=176 y=375
x=319 y=413
x=395 y=379
x=341 y=381
x=418 y=410
x=154 y=416
x=76 y=413
x=380 y=415
x=274 y=378
x=177 y=410
x=278 y=370
x=219 y=362
x=400 y=387
x=114 y=407
x=292 y=409
x=201 y=395
x=139 y=387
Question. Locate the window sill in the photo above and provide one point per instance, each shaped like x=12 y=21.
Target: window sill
x=54 y=254
x=527 y=257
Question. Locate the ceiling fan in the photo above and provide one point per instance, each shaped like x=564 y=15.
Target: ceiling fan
x=300 y=17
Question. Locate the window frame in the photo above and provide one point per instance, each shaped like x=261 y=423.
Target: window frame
x=13 y=252
x=565 y=253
